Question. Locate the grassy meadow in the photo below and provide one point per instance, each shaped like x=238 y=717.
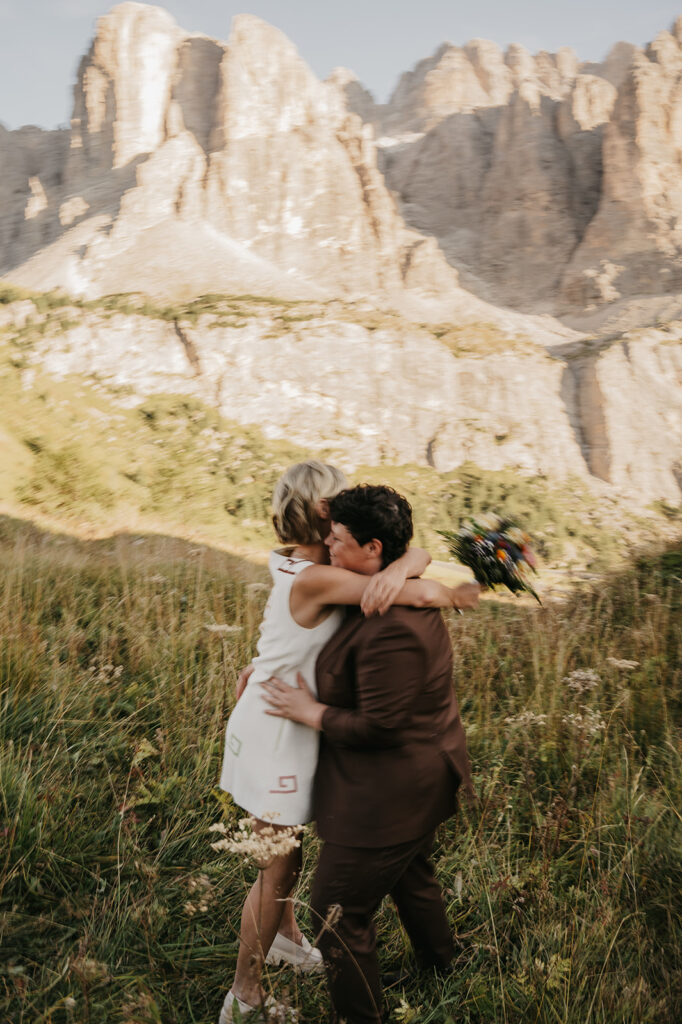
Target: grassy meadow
x=118 y=660
x=132 y=583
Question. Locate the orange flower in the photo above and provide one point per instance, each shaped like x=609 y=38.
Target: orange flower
x=502 y=555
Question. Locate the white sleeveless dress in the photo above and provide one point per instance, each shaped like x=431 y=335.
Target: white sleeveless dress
x=269 y=762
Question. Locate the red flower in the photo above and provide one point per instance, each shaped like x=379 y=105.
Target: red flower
x=528 y=556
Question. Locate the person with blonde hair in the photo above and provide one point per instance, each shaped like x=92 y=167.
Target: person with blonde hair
x=269 y=763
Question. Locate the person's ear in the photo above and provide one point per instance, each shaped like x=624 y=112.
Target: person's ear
x=322 y=508
x=374 y=548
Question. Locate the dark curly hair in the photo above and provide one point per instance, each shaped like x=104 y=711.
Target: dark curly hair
x=375 y=512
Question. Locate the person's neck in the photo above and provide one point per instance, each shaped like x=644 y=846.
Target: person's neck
x=317 y=552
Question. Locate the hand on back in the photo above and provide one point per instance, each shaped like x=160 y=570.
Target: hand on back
x=242 y=680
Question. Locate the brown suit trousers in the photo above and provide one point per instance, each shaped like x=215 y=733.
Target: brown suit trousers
x=356 y=880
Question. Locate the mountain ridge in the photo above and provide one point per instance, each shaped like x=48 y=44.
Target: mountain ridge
x=498 y=175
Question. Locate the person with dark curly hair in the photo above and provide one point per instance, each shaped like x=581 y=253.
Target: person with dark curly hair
x=269 y=766
x=392 y=759
x=374 y=511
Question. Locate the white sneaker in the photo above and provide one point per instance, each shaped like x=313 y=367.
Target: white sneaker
x=274 y=1012
x=304 y=958
x=244 y=1009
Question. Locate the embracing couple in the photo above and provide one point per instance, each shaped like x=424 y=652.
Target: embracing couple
x=347 y=718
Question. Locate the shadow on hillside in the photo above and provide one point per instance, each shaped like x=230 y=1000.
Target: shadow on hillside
x=103 y=193
x=139 y=550
x=132 y=549
x=485 y=174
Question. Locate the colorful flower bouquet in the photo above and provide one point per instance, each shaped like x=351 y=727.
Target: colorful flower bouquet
x=496 y=551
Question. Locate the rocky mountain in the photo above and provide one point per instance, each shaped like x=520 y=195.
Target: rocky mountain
x=192 y=165
x=532 y=198
x=550 y=185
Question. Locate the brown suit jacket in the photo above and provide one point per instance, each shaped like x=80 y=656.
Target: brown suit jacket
x=393 y=749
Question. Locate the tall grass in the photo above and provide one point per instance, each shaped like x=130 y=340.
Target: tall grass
x=563 y=884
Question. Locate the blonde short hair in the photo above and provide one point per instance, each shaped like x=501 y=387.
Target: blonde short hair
x=294 y=513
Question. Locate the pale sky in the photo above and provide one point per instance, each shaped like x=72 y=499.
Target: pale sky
x=41 y=41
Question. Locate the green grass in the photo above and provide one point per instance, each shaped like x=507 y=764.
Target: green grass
x=563 y=886
x=483 y=340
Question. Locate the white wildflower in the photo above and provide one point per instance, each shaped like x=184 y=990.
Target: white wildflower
x=200 y=882
x=526 y=720
x=581 y=680
x=280 y=1013
x=263 y=846
x=488 y=522
x=406 y=1013
x=623 y=663
x=588 y=721
x=201 y=889
x=218 y=827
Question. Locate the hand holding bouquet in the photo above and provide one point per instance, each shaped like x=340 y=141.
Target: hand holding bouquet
x=496 y=551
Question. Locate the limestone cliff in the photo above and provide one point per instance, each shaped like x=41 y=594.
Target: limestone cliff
x=382 y=389
x=500 y=157
x=459 y=80
x=233 y=156
x=633 y=244
x=197 y=165
x=547 y=184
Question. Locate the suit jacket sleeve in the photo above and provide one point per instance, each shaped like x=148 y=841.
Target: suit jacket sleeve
x=389 y=670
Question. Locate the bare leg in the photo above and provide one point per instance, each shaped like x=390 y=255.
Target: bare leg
x=261 y=919
x=288 y=926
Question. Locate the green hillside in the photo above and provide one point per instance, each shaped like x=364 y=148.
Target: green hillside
x=72 y=452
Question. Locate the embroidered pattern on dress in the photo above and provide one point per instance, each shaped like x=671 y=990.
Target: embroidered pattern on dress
x=287 y=784
x=289 y=561
x=235 y=745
